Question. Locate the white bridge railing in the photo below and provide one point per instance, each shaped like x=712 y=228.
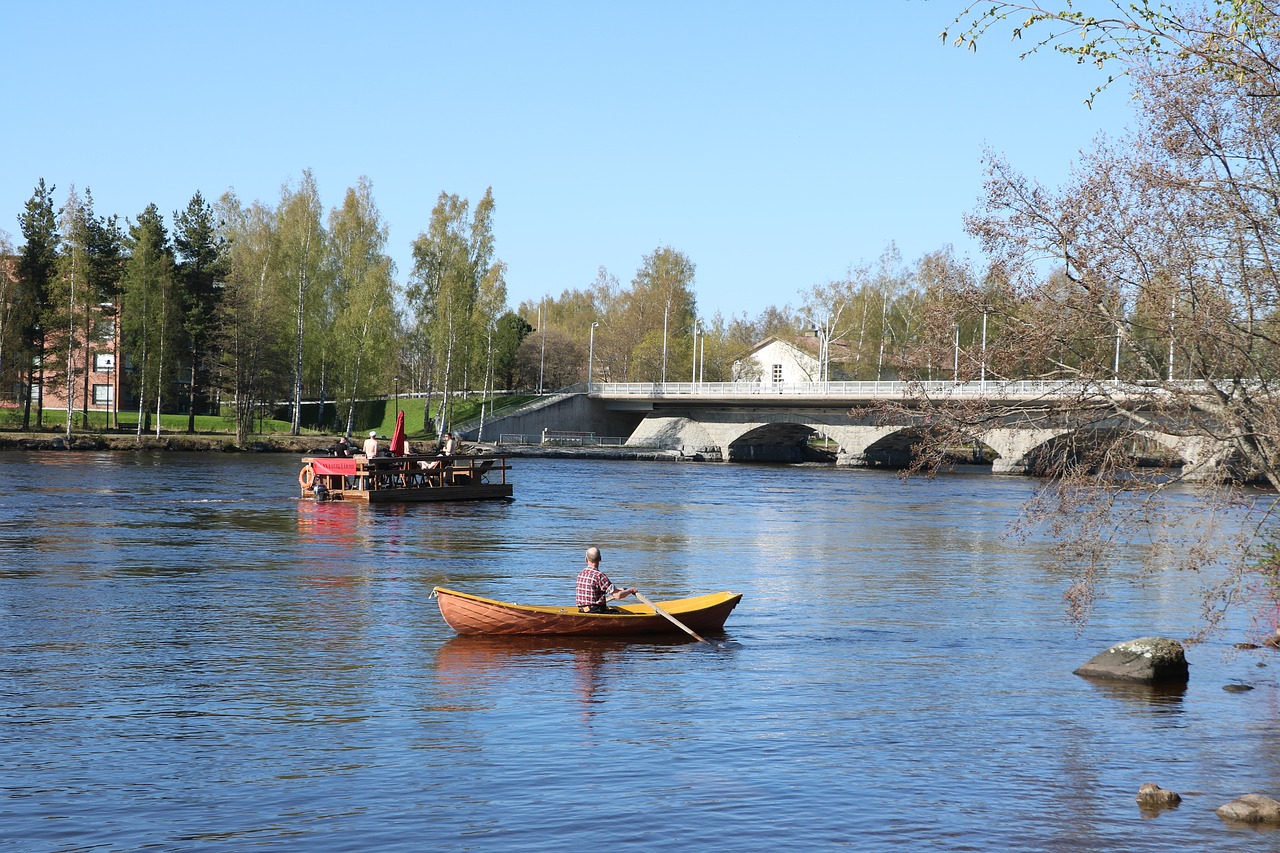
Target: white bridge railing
x=1023 y=389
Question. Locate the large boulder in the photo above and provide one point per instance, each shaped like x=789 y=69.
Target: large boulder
x=1148 y=660
x=1251 y=808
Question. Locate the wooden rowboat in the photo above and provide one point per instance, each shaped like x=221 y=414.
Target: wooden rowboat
x=471 y=614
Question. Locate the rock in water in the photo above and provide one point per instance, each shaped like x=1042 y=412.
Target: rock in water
x=1151 y=795
x=1251 y=808
x=1149 y=660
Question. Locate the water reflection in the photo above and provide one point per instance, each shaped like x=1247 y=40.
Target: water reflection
x=1156 y=698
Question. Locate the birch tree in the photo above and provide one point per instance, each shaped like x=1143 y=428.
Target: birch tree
x=301 y=268
x=253 y=323
x=364 y=293
x=452 y=260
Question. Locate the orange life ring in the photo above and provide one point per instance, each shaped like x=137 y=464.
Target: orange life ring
x=307 y=476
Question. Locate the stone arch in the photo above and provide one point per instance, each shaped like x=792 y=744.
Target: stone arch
x=778 y=441
x=1039 y=451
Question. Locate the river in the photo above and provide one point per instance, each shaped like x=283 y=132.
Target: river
x=194 y=659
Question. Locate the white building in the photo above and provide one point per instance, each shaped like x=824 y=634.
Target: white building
x=776 y=362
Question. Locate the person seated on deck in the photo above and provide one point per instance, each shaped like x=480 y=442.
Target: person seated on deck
x=371 y=444
x=450 y=445
x=595 y=590
x=343 y=448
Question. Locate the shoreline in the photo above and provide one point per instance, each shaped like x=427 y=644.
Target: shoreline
x=296 y=444
x=131 y=442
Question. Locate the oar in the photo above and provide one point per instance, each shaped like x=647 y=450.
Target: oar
x=672 y=619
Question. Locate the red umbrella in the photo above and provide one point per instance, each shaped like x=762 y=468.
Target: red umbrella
x=397 y=437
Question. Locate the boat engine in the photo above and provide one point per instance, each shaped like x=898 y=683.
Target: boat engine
x=321 y=493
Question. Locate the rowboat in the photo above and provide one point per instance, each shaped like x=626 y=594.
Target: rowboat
x=471 y=614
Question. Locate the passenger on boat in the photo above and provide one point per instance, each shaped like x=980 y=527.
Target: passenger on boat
x=450 y=445
x=371 y=444
x=342 y=448
x=594 y=589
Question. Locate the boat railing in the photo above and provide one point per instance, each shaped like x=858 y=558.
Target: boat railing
x=414 y=471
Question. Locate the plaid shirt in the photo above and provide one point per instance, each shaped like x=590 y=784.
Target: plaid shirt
x=593 y=586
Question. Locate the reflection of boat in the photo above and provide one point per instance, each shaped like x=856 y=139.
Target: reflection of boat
x=471 y=614
x=398 y=479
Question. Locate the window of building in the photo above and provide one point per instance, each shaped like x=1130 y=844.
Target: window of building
x=104 y=362
x=103 y=395
x=777 y=374
x=106 y=328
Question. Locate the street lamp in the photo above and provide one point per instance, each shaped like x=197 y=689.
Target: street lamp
x=696 y=323
x=542 y=359
x=397 y=393
x=955 y=360
x=983 y=375
x=702 y=361
x=591 y=356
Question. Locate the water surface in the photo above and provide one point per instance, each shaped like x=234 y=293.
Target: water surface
x=193 y=659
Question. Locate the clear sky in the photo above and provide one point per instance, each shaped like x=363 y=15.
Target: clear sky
x=774 y=144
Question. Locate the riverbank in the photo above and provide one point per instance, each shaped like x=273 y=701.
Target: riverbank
x=207 y=443
x=301 y=445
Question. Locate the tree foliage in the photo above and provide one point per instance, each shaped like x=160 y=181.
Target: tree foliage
x=1162 y=267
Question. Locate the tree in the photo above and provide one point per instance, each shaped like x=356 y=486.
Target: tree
x=452 y=293
x=653 y=323
x=364 y=297
x=1166 y=248
x=563 y=363
x=510 y=332
x=37 y=267
x=83 y=292
x=11 y=371
x=200 y=269
x=301 y=270
x=149 y=313
x=253 y=323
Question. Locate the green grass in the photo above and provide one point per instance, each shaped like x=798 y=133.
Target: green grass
x=463 y=410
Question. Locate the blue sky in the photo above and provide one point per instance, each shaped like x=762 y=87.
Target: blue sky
x=775 y=144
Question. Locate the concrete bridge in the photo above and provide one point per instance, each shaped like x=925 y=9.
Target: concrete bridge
x=750 y=421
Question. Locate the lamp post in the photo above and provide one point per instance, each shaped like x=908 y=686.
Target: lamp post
x=542 y=358
x=1115 y=365
x=983 y=375
x=696 y=323
x=591 y=356
x=397 y=393
x=702 y=360
x=666 y=311
x=955 y=360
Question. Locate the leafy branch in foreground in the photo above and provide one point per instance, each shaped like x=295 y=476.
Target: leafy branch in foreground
x=1160 y=260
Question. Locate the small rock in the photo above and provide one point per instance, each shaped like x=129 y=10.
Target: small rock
x=1251 y=808
x=1237 y=688
x=1151 y=660
x=1151 y=795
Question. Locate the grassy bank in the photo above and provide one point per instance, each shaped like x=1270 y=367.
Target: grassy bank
x=212 y=432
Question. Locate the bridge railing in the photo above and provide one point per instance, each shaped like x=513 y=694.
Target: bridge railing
x=1023 y=388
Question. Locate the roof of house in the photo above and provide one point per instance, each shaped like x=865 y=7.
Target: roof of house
x=808 y=344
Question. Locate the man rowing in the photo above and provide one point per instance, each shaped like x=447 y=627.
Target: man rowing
x=594 y=589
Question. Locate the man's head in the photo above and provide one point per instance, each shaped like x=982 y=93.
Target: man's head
x=593 y=555
x=373 y=433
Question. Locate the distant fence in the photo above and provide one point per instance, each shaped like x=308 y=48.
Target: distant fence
x=562 y=438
